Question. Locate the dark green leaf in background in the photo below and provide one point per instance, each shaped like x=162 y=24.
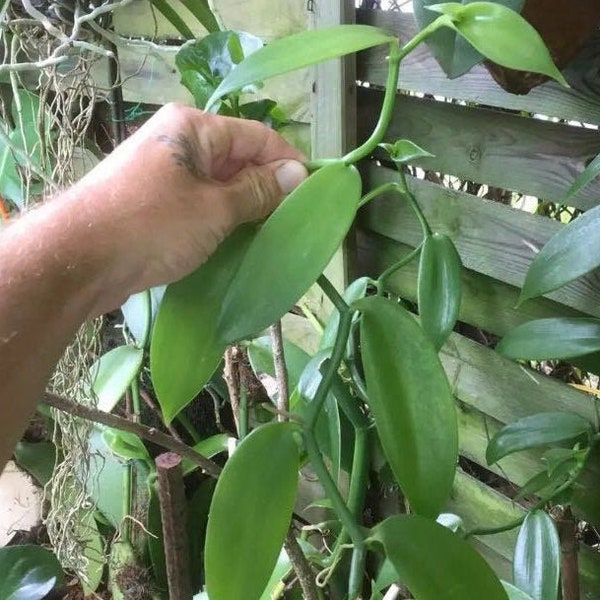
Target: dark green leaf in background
x=439 y=287
x=290 y=251
x=588 y=175
x=185 y=347
x=250 y=513
x=571 y=253
x=435 y=563
x=28 y=572
x=411 y=402
x=536 y=564
x=455 y=55
x=534 y=431
x=554 y=338
x=300 y=50
x=501 y=35
x=37 y=458
x=203 y=63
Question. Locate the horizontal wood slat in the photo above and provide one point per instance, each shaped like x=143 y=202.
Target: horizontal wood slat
x=534 y=157
x=421 y=73
x=492 y=238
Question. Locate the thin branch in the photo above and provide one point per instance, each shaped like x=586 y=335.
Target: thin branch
x=150 y=434
x=145 y=396
x=232 y=379
x=283 y=392
x=305 y=574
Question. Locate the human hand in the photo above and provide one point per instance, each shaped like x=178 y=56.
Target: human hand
x=166 y=197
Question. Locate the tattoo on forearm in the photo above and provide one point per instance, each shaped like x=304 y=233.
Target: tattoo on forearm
x=185 y=152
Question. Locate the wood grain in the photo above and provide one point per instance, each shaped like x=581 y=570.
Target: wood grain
x=492 y=238
x=421 y=73
x=537 y=158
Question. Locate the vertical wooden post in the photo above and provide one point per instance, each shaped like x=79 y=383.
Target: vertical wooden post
x=334 y=121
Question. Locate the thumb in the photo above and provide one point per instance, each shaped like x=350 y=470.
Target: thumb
x=255 y=192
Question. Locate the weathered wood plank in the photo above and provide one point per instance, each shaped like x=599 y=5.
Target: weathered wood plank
x=487 y=303
x=480 y=506
x=505 y=390
x=334 y=125
x=492 y=238
x=421 y=73
x=262 y=19
x=534 y=157
x=149 y=76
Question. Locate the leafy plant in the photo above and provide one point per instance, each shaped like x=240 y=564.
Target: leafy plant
x=373 y=399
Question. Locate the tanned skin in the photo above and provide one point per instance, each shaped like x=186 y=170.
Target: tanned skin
x=149 y=214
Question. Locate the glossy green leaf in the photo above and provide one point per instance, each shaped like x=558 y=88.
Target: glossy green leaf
x=435 y=563
x=300 y=50
x=201 y=10
x=211 y=446
x=38 y=459
x=439 y=287
x=198 y=507
x=28 y=572
x=569 y=254
x=186 y=349
x=536 y=564
x=355 y=291
x=139 y=313
x=113 y=373
x=586 y=177
x=125 y=444
x=515 y=593
x=411 y=402
x=501 y=35
x=450 y=521
x=290 y=251
x=536 y=430
x=205 y=62
x=260 y=354
x=405 y=151
x=455 y=55
x=554 y=338
x=250 y=513
x=87 y=535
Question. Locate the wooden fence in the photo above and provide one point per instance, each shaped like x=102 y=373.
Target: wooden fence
x=483 y=137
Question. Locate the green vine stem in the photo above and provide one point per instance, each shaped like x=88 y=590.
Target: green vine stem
x=398 y=265
x=413 y=202
x=333 y=295
x=391 y=186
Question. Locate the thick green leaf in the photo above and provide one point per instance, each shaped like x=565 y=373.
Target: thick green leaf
x=455 y=55
x=38 y=459
x=583 y=179
x=435 y=563
x=355 y=291
x=411 y=402
x=125 y=444
x=201 y=10
x=209 y=447
x=405 y=151
x=28 y=572
x=113 y=372
x=186 y=349
x=515 y=593
x=439 y=287
x=156 y=547
x=198 y=508
x=534 y=431
x=88 y=536
x=290 y=251
x=570 y=253
x=536 y=564
x=555 y=338
x=501 y=35
x=250 y=513
x=300 y=50
x=260 y=353
x=203 y=63
x=139 y=313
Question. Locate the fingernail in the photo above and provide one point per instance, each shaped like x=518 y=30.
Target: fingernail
x=290 y=175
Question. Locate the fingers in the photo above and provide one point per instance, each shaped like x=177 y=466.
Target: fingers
x=256 y=191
